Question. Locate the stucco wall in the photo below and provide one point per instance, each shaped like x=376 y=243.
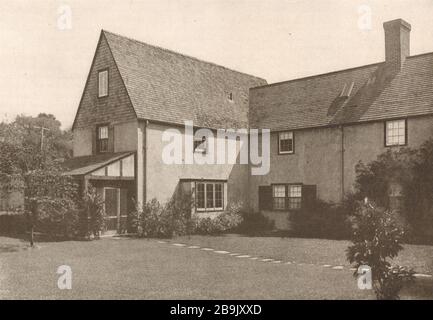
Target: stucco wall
x=82 y=143
x=317 y=158
x=162 y=179
x=125 y=138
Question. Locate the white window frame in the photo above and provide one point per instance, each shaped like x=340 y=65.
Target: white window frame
x=289 y=193
x=102 y=83
x=213 y=208
x=396 y=133
x=290 y=136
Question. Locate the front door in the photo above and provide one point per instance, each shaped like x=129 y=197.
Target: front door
x=112 y=209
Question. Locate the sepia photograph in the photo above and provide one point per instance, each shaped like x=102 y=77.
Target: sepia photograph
x=216 y=154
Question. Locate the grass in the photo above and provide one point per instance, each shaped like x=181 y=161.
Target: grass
x=146 y=269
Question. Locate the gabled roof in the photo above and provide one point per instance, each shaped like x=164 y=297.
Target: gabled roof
x=316 y=101
x=86 y=164
x=170 y=87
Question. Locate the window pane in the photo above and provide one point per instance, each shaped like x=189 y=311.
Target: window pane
x=103 y=132
x=218 y=195
x=103 y=145
x=279 y=203
x=396 y=132
x=209 y=196
x=200 y=196
x=295 y=191
x=294 y=203
x=103 y=83
x=279 y=191
x=286 y=142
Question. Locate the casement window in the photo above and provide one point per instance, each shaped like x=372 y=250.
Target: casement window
x=287 y=197
x=102 y=140
x=209 y=196
x=286 y=142
x=200 y=144
x=103 y=83
x=395 y=133
x=279 y=197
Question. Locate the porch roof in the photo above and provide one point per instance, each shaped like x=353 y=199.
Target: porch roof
x=80 y=166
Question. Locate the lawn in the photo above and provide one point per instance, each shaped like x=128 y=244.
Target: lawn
x=189 y=268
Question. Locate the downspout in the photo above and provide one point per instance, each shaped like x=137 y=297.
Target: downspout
x=145 y=161
x=342 y=162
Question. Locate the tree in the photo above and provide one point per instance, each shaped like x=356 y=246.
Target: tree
x=31 y=150
x=377 y=238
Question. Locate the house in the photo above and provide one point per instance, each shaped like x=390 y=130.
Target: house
x=323 y=125
x=320 y=126
x=133 y=94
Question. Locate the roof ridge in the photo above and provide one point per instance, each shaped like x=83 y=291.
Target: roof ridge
x=182 y=54
x=319 y=75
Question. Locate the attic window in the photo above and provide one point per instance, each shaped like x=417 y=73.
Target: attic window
x=347 y=90
x=103 y=83
x=230 y=96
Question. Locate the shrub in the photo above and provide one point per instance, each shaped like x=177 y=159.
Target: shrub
x=93 y=218
x=322 y=220
x=255 y=224
x=377 y=237
x=225 y=221
x=163 y=221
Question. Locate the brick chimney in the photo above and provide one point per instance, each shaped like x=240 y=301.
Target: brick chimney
x=397 y=43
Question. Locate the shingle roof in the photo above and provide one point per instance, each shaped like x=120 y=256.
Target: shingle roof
x=315 y=101
x=83 y=165
x=170 y=87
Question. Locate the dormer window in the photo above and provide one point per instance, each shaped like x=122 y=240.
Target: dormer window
x=347 y=90
x=103 y=83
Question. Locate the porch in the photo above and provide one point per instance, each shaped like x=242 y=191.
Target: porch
x=113 y=177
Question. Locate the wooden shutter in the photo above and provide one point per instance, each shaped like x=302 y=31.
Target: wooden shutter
x=309 y=196
x=94 y=137
x=110 y=138
x=265 y=197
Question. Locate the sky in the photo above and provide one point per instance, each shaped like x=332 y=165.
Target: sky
x=47 y=46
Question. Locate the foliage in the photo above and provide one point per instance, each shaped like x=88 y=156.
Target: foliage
x=373 y=179
x=255 y=224
x=377 y=237
x=223 y=222
x=51 y=201
x=30 y=164
x=93 y=212
x=322 y=220
x=411 y=170
x=163 y=220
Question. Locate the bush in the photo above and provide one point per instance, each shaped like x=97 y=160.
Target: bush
x=225 y=221
x=93 y=218
x=255 y=224
x=163 y=221
x=377 y=237
x=13 y=223
x=322 y=220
